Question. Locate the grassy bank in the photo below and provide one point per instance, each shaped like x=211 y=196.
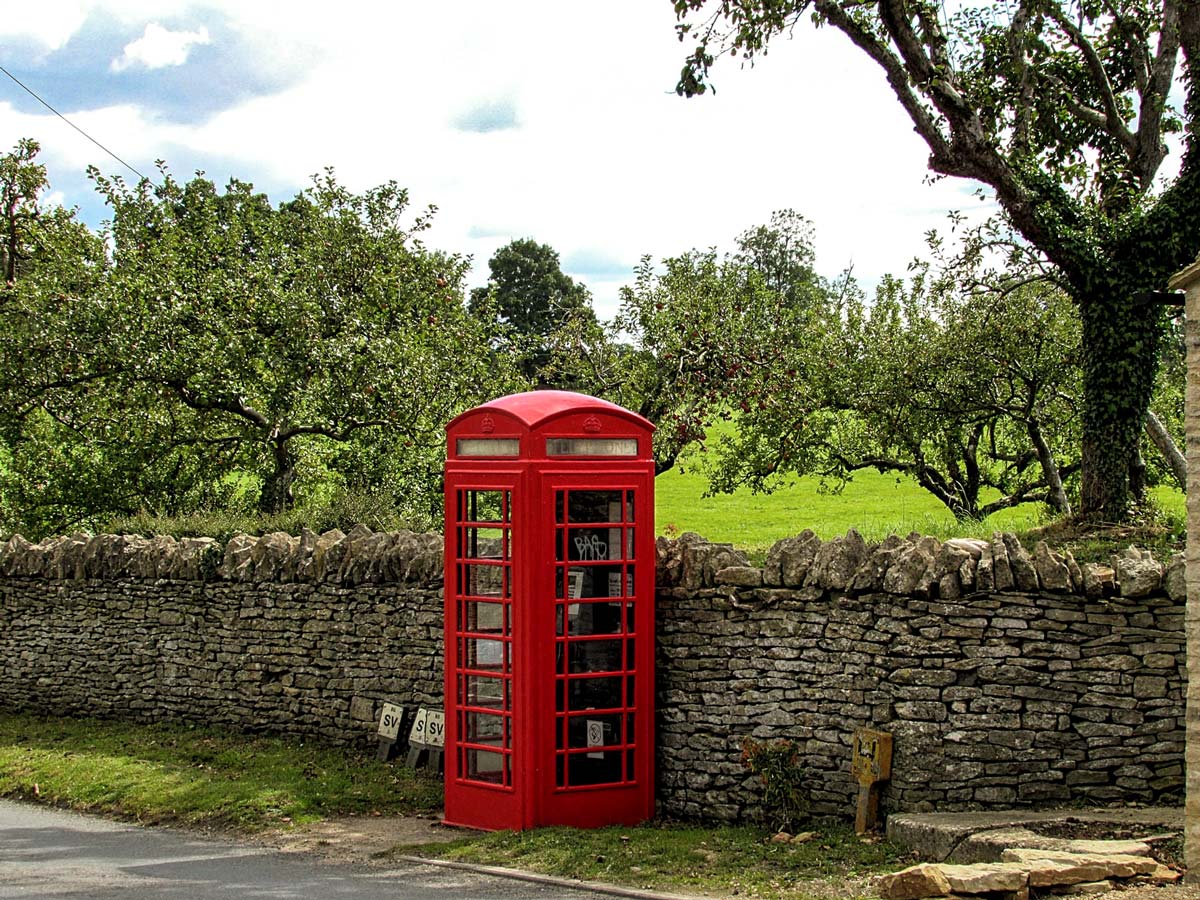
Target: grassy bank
x=723 y=860
x=197 y=776
x=204 y=777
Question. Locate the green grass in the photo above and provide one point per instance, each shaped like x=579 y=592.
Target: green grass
x=725 y=859
x=197 y=776
x=205 y=777
x=876 y=505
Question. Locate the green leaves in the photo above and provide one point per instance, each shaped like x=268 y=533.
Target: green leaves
x=528 y=297
x=223 y=337
x=1061 y=110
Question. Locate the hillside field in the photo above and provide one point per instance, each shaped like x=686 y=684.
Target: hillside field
x=873 y=503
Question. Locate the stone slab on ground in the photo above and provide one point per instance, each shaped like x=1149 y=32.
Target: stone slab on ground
x=1021 y=870
x=987 y=846
x=939 y=836
x=1052 y=867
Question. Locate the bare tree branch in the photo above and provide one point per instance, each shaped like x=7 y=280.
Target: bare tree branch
x=1161 y=438
x=1113 y=123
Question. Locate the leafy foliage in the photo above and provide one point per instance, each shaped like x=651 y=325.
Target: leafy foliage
x=692 y=327
x=530 y=297
x=962 y=393
x=1061 y=109
x=221 y=338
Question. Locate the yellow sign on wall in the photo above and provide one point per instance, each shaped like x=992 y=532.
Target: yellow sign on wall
x=871 y=756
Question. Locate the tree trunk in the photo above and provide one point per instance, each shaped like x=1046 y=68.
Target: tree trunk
x=1120 y=356
x=1161 y=438
x=1056 y=496
x=276 y=493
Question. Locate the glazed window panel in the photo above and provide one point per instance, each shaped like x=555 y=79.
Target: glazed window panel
x=484 y=581
x=591 y=447
x=594 y=731
x=480 y=617
x=485 y=654
x=598 y=767
x=487 y=766
x=595 y=506
x=484 y=506
x=484 y=542
x=595 y=693
x=594 y=656
x=484 y=691
x=486 y=728
x=600 y=617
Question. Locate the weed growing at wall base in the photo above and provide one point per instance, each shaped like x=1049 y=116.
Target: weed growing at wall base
x=777 y=764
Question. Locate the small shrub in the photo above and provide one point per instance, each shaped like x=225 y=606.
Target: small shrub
x=776 y=763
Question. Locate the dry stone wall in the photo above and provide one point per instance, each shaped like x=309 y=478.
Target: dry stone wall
x=1008 y=678
x=304 y=636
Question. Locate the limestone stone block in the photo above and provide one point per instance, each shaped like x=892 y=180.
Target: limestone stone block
x=1087 y=887
x=1174 y=581
x=870 y=574
x=974 y=547
x=836 y=562
x=914 y=883
x=740 y=576
x=1099 y=581
x=362 y=709
x=985 y=579
x=1165 y=875
x=1001 y=568
x=1024 y=575
x=1138 y=572
x=984 y=878
x=1052 y=867
x=950 y=587
x=788 y=560
x=1051 y=569
x=910 y=573
x=328 y=554
x=237 y=564
x=967 y=574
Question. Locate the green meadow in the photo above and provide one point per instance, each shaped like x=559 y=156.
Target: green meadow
x=875 y=504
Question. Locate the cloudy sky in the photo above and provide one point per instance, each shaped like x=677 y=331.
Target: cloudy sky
x=555 y=120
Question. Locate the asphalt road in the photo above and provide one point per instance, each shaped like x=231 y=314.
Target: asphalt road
x=51 y=853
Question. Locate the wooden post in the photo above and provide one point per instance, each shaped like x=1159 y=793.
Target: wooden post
x=871 y=764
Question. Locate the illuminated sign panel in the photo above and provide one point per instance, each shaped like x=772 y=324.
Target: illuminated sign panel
x=591 y=446
x=488 y=446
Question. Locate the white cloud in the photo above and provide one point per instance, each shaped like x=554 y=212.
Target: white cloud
x=607 y=160
x=48 y=23
x=159 y=47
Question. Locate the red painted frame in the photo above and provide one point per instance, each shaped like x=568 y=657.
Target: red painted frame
x=539 y=736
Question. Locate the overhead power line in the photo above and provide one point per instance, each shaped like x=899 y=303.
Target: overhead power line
x=32 y=93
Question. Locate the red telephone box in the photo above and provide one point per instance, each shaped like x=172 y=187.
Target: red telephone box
x=549 y=614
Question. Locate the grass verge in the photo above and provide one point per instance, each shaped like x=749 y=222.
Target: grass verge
x=197 y=776
x=726 y=860
x=206 y=777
